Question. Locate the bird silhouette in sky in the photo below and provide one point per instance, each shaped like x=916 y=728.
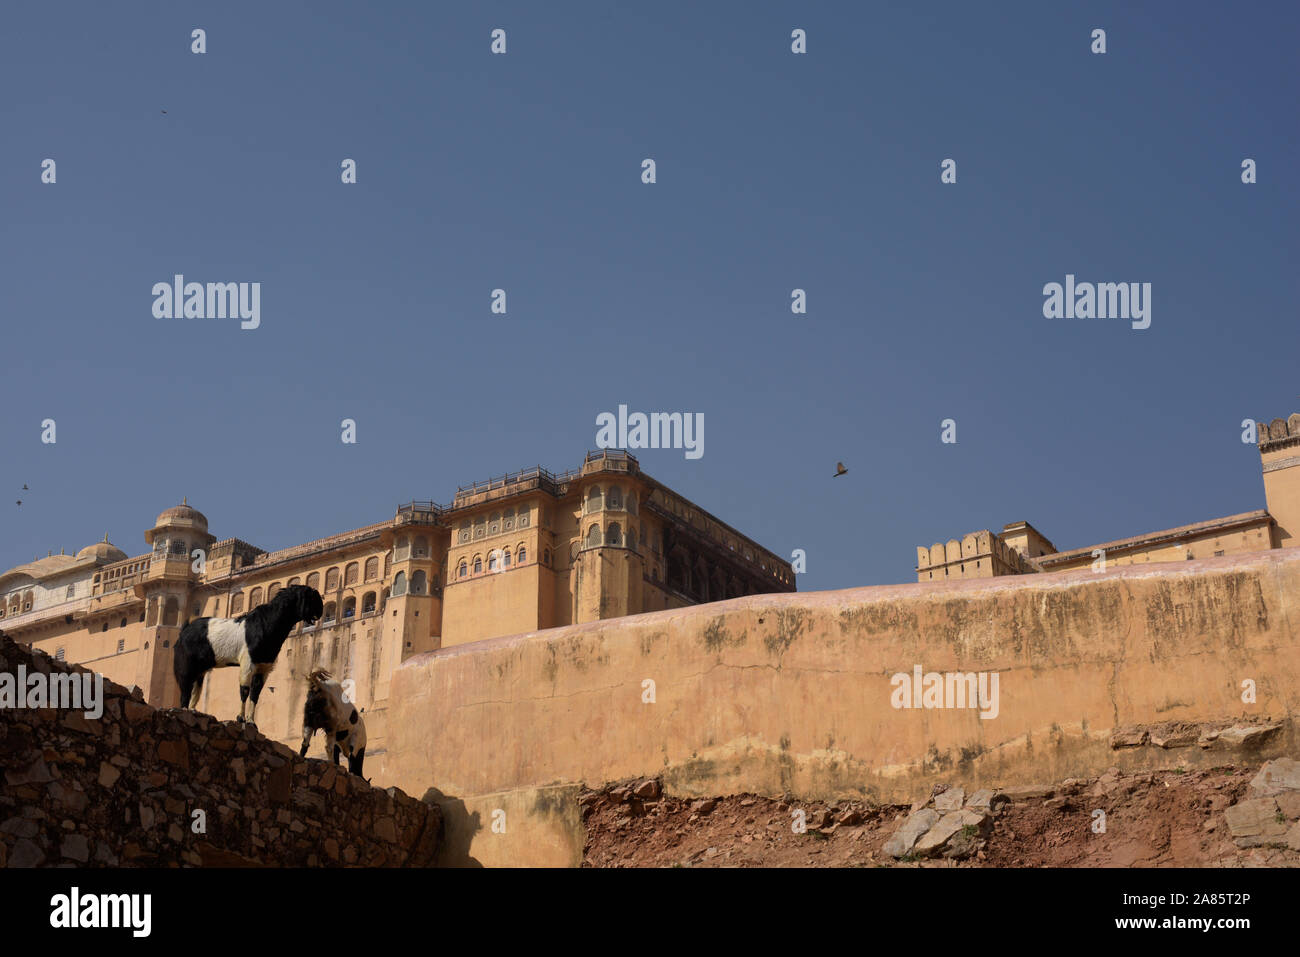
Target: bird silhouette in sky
x=839 y=470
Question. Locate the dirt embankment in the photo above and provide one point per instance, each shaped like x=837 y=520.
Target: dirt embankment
x=1147 y=819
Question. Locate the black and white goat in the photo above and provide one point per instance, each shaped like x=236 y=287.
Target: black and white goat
x=328 y=709
x=252 y=641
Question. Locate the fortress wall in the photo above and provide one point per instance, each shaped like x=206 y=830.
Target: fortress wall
x=791 y=694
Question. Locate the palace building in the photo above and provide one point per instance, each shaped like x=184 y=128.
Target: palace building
x=1020 y=549
x=523 y=552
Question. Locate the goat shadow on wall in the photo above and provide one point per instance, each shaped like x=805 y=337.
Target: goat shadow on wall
x=458 y=829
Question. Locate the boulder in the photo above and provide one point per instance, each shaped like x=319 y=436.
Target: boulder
x=950 y=800
x=1255 y=822
x=905 y=838
x=648 y=790
x=1276 y=776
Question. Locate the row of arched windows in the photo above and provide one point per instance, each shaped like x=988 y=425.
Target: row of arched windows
x=498 y=560
x=350 y=574
x=496 y=523
x=368 y=605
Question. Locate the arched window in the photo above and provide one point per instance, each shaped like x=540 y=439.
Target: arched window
x=508 y=520
x=615 y=497
x=524 y=512
x=594 y=500
x=351 y=572
x=631 y=537
x=151 y=611
x=421 y=546
x=313 y=581
x=237 y=603
x=270 y=592
x=372 y=568
x=399 y=584
x=478 y=565
x=505 y=558
x=419 y=583
x=332 y=579
x=349 y=608
x=615 y=535
x=463 y=570
x=494 y=523
x=593 y=536
x=492 y=561
x=402 y=550
x=295 y=581
x=463 y=534
x=329 y=613
x=171 y=611
x=255 y=598
x=480 y=526
x=177 y=547
x=523 y=555
x=368 y=603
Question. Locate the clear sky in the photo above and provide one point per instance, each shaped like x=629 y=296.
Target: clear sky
x=522 y=171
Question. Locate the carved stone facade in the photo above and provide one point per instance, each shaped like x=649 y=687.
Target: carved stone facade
x=524 y=552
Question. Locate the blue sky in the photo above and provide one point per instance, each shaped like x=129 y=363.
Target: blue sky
x=522 y=172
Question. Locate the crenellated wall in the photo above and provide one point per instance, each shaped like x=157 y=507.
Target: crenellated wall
x=792 y=694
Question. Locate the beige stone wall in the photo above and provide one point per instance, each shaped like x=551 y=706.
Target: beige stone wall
x=97 y=650
x=499 y=603
x=792 y=693
x=1207 y=545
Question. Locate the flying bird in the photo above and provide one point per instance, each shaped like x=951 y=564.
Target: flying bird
x=839 y=470
x=20 y=501
x=25 y=488
x=164 y=111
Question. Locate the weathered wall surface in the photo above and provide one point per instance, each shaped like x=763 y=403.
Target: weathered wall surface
x=792 y=693
x=123 y=789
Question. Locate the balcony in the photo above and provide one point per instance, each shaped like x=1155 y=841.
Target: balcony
x=421 y=513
